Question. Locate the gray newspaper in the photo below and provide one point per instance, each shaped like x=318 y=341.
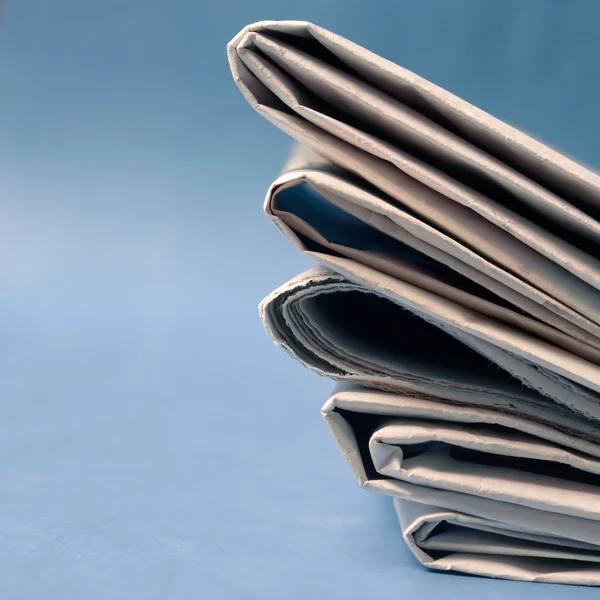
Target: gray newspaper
x=456 y=300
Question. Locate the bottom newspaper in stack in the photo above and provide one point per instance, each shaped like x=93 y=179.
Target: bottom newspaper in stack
x=488 y=476
x=476 y=490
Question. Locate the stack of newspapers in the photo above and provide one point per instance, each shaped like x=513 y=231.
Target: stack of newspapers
x=456 y=301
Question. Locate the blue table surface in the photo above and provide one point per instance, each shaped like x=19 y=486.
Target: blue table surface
x=140 y=396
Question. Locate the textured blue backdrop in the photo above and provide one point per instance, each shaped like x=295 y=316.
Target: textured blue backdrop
x=137 y=387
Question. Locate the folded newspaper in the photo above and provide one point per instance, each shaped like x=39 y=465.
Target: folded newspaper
x=456 y=300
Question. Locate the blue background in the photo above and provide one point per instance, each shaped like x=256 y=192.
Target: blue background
x=139 y=393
